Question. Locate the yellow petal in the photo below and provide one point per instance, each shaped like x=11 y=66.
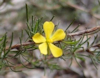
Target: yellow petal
x=43 y=48
x=48 y=28
x=56 y=51
x=38 y=38
x=58 y=35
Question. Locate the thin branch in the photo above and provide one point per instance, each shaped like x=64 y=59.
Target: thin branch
x=19 y=45
x=45 y=7
x=69 y=34
x=86 y=50
x=11 y=10
x=77 y=7
x=96 y=45
x=84 y=31
x=83 y=9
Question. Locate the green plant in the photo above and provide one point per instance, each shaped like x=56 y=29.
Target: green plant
x=72 y=48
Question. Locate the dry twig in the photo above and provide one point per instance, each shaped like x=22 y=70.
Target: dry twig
x=84 y=31
x=83 y=9
x=70 y=34
x=19 y=45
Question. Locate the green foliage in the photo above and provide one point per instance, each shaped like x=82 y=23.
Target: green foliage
x=72 y=49
x=54 y=66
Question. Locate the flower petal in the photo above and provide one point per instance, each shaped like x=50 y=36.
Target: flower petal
x=38 y=38
x=58 y=35
x=57 y=52
x=48 y=28
x=43 y=48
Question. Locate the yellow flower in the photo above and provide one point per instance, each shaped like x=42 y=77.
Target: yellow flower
x=50 y=38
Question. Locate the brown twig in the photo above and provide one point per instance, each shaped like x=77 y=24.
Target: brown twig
x=45 y=6
x=86 y=50
x=96 y=45
x=84 y=31
x=83 y=9
x=77 y=7
x=70 y=34
x=19 y=45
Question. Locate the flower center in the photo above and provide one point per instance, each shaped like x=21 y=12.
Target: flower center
x=48 y=40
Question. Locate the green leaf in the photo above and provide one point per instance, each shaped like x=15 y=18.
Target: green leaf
x=1 y=39
x=55 y=66
x=35 y=63
x=9 y=47
x=52 y=18
x=81 y=58
x=71 y=43
x=70 y=25
x=27 y=12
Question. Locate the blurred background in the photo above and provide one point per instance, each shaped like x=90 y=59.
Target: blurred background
x=85 y=12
